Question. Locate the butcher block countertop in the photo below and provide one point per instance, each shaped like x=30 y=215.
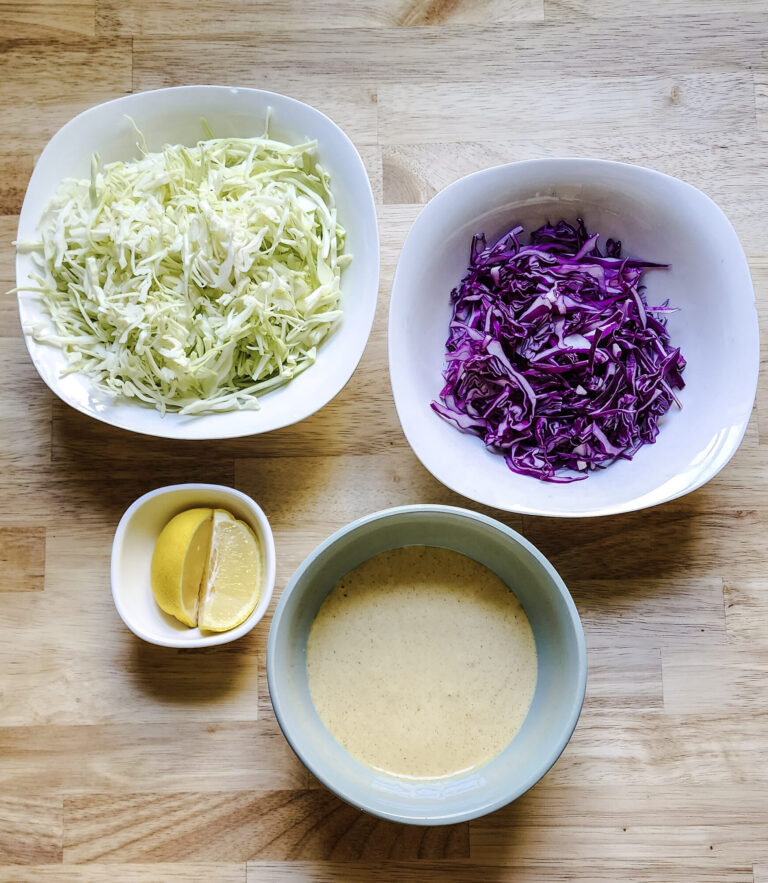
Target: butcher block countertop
x=124 y=761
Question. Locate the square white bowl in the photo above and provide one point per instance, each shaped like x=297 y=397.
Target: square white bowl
x=173 y=116
x=657 y=218
x=134 y=545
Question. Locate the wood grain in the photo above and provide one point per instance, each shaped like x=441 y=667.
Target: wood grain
x=31 y=829
x=560 y=871
x=122 y=761
x=49 y=18
x=576 y=10
x=439 y=54
x=175 y=872
x=664 y=752
x=695 y=104
x=647 y=613
x=15 y=169
x=161 y=759
x=726 y=679
x=219 y=18
x=44 y=83
x=221 y=827
x=761 y=99
x=760 y=276
x=746 y=612
x=24 y=444
x=22 y=559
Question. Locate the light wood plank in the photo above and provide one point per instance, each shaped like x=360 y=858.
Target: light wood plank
x=592 y=844
x=624 y=679
x=439 y=54
x=15 y=169
x=177 y=872
x=746 y=613
x=543 y=871
x=63 y=683
x=31 y=829
x=9 y=314
x=43 y=84
x=706 y=102
x=611 y=805
x=577 y=10
x=222 y=19
x=659 y=544
x=761 y=99
x=46 y=18
x=647 y=613
x=371 y=157
x=159 y=759
x=83 y=493
x=665 y=752
x=438 y=12
x=25 y=445
x=725 y=679
x=759 y=269
x=240 y=826
x=22 y=559
x=8 y=226
x=361 y=484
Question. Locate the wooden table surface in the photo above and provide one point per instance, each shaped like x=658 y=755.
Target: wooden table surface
x=123 y=761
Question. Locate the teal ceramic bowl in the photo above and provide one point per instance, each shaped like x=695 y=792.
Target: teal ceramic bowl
x=559 y=644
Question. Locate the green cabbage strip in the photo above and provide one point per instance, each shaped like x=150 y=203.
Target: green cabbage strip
x=195 y=278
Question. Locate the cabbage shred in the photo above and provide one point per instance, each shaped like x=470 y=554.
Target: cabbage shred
x=196 y=278
x=554 y=356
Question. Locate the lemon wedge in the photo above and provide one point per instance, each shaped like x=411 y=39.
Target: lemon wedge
x=179 y=561
x=232 y=581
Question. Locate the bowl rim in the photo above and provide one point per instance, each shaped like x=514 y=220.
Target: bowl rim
x=561 y=593
x=181 y=431
x=751 y=342
x=268 y=552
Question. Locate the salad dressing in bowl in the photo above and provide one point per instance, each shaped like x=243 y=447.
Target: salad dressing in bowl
x=419 y=788
x=422 y=663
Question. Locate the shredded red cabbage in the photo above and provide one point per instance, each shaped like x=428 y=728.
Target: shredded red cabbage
x=554 y=357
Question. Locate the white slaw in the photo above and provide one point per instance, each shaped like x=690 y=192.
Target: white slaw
x=196 y=278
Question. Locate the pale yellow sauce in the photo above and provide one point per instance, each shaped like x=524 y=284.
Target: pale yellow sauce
x=422 y=663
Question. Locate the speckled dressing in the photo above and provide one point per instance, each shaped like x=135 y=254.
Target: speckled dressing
x=421 y=662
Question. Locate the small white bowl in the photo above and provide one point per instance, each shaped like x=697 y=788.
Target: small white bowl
x=657 y=218
x=173 y=116
x=134 y=544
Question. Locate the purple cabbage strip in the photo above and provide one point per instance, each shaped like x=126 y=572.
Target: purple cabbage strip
x=554 y=357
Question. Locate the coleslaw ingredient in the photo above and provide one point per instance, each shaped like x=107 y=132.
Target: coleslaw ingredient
x=194 y=279
x=554 y=357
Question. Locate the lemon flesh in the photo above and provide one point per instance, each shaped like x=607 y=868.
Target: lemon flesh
x=179 y=561
x=232 y=582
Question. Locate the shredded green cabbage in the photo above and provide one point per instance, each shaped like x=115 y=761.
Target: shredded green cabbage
x=195 y=278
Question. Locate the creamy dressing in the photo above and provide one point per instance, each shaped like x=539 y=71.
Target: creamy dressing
x=422 y=663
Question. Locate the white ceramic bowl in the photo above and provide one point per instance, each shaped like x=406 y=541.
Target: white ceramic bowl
x=174 y=116
x=657 y=218
x=134 y=544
